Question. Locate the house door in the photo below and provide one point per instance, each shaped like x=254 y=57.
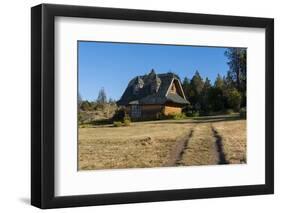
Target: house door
x=136 y=111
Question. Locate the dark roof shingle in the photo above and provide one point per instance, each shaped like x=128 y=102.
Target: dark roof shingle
x=144 y=95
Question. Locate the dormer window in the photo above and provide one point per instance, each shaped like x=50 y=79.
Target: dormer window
x=155 y=83
x=138 y=85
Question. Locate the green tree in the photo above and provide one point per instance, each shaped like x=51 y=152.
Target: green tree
x=234 y=99
x=237 y=74
x=197 y=85
x=217 y=100
x=101 y=96
x=205 y=105
x=228 y=81
x=237 y=66
x=219 y=83
x=86 y=106
x=186 y=86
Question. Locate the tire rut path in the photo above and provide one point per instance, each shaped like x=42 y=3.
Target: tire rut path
x=222 y=159
x=178 y=150
x=201 y=146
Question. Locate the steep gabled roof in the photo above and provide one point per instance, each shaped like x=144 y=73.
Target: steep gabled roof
x=152 y=88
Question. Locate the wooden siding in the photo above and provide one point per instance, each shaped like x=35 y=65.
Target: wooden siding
x=171 y=110
x=152 y=108
x=147 y=111
x=152 y=111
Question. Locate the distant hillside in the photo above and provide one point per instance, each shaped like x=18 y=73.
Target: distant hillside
x=95 y=112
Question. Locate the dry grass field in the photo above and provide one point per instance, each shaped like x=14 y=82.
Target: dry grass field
x=208 y=141
x=201 y=149
x=234 y=140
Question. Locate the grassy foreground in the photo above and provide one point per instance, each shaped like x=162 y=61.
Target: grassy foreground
x=163 y=143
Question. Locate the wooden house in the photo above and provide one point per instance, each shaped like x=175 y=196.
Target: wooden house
x=150 y=95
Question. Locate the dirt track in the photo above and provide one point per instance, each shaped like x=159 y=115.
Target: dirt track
x=202 y=146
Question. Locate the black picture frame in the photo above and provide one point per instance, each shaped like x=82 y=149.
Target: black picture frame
x=43 y=110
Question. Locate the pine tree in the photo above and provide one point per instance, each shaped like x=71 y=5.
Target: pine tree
x=237 y=59
x=216 y=97
x=219 y=83
x=197 y=85
x=101 y=96
x=186 y=86
x=205 y=105
x=237 y=66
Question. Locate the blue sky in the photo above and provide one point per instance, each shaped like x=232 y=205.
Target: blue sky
x=113 y=65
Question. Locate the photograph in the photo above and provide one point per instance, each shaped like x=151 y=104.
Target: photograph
x=139 y=105
x=160 y=105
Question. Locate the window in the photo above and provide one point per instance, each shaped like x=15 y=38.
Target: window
x=135 y=111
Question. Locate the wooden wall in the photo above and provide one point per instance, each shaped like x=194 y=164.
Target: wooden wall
x=153 y=108
x=147 y=111
x=151 y=111
x=171 y=110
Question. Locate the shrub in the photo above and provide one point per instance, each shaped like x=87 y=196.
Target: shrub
x=101 y=122
x=119 y=115
x=243 y=112
x=86 y=106
x=195 y=114
x=160 y=116
x=234 y=100
x=229 y=111
x=126 y=117
x=204 y=113
x=99 y=106
x=127 y=122
x=178 y=116
x=192 y=113
x=85 y=126
x=117 y=123
x=188 y=113
x=80 y=119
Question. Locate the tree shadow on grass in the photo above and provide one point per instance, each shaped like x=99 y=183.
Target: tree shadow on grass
x=194 y=120
x=205 y=119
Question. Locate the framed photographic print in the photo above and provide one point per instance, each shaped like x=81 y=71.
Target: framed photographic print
x=139 y=106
